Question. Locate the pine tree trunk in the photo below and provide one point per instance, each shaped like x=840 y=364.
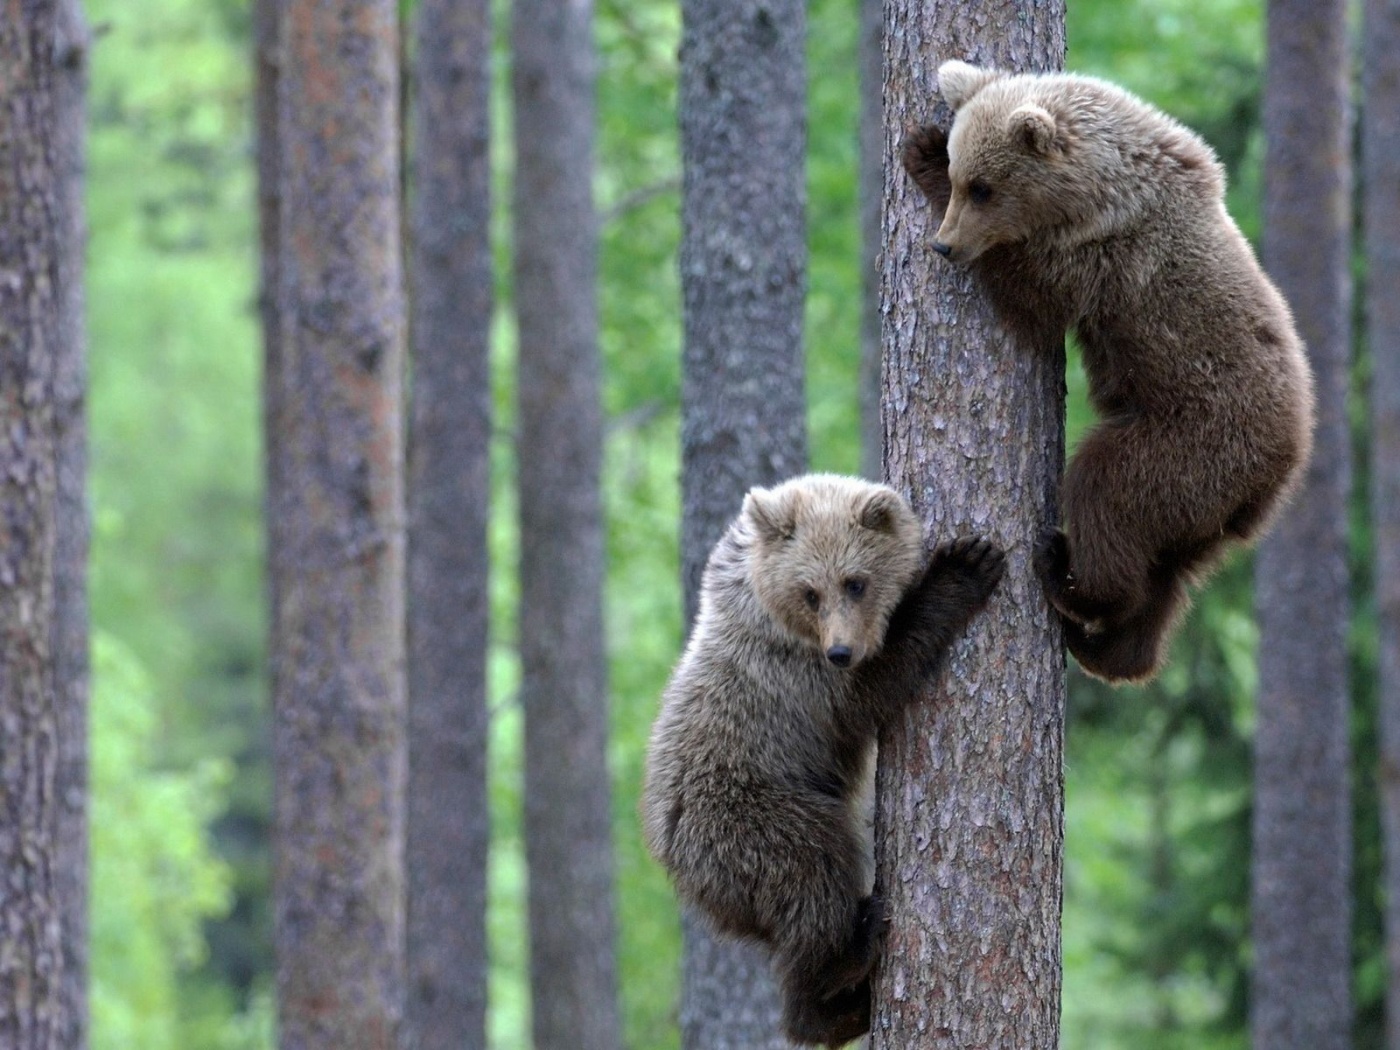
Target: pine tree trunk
x=335 y=507
x=448 y=498
x=969 y=820
x=1302 y=810
x=32 y=251
x=568 y=832
x=871 y=178
x=71 y=44
x=1381 y=175
x=743 y=262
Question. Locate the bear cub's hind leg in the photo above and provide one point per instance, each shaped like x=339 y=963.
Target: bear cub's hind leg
x=827 y=1002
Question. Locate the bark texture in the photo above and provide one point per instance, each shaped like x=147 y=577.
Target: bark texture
x=448 y=498
x=32 y=228
x=969 y=812
x=1302 y=810
x=568 y=835
x=743 y=261
x=871 y=178
x=71 y=520
x=335 y=506
x=1381 y=202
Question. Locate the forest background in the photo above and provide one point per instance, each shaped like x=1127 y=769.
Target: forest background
x=1157 y=779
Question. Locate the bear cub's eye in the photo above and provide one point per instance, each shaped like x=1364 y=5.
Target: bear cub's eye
x=813 y=598
x=855 y=588
x=978 y=192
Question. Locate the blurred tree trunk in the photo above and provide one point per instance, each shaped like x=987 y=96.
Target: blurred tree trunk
x=1381 y=178
x=71 y=43
x=743 y=262
x=448 y=498
x=33 y=249
x=1301 y=907
x=335 y=522
x=872 y=187
x=564 y=688
x=969 y=818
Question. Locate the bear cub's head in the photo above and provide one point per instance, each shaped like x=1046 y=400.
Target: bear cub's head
x=831 y=558
x=1006 y=162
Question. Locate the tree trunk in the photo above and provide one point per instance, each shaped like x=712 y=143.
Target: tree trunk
x=872 y=188
x=71 y=43
x=449 y=826
x=32 y=252
x=1302 y=809
x=969 y=818
x=743 y=260
x=1381 y=175
x=335 y=507
x=568 y=833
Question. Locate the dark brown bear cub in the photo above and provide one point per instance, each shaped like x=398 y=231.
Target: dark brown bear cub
x=1079 y=206
x=818 y=623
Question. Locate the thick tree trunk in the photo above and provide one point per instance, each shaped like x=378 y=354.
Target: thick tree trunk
x=449 y=825
x=568 y=834
x=871 y=178
x=335 y=506
x=1381 y=175
x=1302 y=809
x=743 y=262
x=71 y=43
x=32 y=254
x=969 y=819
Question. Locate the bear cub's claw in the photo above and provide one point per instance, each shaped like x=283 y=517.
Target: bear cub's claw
x=980 y=562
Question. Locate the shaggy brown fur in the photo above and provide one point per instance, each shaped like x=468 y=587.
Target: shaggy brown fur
x=1080 y=206
x=818 y=623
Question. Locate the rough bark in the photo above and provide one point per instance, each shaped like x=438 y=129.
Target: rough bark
x=71 y=44
x=1302 y=811
x=872 y=188
x=969 y=819
x=743 y=261
x=1381 y=175
x=568 y=838
x=448 y=497
x=32 y=229
x=335 y=506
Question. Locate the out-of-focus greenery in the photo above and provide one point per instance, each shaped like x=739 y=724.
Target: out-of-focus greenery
x=1157 y=779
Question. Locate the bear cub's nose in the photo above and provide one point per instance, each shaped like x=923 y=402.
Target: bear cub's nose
x=840 y=655
x=942 y=249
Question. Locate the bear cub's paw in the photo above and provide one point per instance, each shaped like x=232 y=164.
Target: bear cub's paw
x=1050 y=560
x=925 y=158
x=976 y=563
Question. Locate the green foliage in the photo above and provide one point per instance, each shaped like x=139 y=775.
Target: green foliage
x=153 y=875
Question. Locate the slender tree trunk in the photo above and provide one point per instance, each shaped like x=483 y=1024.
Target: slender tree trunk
x=71 y=44
x=1302 y=809
x=449 y=826
x=32 y=253
x=743 y=262
x=1381 y=177
x=335 y=507
x=872 y=188
x=969 y=818
x=568 y=834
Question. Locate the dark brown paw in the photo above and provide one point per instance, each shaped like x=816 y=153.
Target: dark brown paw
x=979 y=562
x=925 y=157
x=1051 y=558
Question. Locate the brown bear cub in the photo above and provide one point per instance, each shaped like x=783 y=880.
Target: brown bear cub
x=1080 y=206
x=819 y=622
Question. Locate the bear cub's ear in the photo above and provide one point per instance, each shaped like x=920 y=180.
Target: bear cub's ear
x=881 y=511
x=773 y=512
x=1032 y=127
x=959 y=81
